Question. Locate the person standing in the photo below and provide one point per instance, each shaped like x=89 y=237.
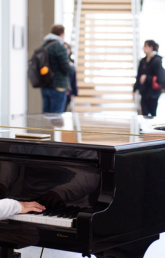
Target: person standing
x=54 y=96
x=73 y=81
x=150 y=68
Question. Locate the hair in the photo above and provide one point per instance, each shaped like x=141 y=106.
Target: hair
x=152 y=43
x=57 y=29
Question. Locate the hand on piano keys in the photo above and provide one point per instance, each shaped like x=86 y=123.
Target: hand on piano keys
x=31 y=206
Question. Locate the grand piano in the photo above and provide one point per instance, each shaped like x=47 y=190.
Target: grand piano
x=103 y=185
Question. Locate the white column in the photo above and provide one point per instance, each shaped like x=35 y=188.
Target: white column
x=4 y=60
x=18 y=56
x=58 y=12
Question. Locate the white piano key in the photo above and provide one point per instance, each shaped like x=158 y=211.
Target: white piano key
x=40 y=219
x=69 y=223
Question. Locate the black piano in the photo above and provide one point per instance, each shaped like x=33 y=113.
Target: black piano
x=111 y=196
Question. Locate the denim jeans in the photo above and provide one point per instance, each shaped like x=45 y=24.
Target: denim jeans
x=53 y=101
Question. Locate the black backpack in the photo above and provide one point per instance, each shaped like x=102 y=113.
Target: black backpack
x=39 y=71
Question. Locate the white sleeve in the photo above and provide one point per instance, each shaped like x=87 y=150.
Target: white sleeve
x=9 y=207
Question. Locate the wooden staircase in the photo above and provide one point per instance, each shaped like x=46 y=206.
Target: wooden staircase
x=105 y=56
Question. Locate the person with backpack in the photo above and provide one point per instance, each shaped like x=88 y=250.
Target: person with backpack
x=54 y=94
x=149 y=78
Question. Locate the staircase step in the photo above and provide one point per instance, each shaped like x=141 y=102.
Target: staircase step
x=107 y=18
x=102 y=44
x=89 y=100
x=83 y=25
x=83 y=84
x=105 y=65
x=82 y=69
x=93 y=53
x=105 y=39
x=108 y=12
x=82 y=60
x=106 y=1
x=99 y=109
x=103 y=6
x=83 y=76
x=100 y=93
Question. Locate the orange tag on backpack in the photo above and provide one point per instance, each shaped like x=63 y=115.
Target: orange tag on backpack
x=44 y=70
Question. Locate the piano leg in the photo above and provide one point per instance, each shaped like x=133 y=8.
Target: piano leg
x=132 y=250
x=9 y=253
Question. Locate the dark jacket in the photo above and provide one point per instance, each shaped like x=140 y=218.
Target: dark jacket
x=59 y=63
x=151 y=68
x=73 y=82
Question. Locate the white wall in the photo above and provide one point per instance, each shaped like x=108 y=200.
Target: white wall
x=18 y=59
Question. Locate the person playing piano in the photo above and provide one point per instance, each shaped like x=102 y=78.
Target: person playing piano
x=10 y=207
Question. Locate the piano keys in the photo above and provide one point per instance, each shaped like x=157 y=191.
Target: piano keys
x=62 y=217
x=46 y=220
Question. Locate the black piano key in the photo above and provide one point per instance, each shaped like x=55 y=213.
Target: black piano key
x=56 y=211
x=38 y=213
x=74 y=210
x=67 y=209
x=75 y=214
x=35 y=212
x=30 y=212
x=47 y=212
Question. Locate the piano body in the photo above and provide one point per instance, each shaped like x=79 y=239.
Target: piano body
x=114 y=195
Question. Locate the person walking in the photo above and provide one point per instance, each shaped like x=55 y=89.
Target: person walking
x=150 y=73
x=54 y=96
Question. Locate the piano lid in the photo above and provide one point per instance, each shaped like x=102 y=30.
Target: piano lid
x=84 y=128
